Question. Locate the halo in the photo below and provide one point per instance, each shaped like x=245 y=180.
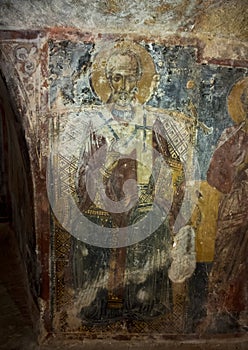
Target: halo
x=235 y=107
x=99 y=80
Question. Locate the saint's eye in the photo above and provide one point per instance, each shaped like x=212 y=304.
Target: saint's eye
x=116 y=78
x=131 y=78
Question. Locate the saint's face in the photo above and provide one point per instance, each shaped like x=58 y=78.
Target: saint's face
x=123 y=79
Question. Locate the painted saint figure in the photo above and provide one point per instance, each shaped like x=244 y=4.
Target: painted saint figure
x=132 y=165
x=228 y=172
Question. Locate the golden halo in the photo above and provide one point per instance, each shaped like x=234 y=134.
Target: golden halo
x=235 y=108
x=99 y=80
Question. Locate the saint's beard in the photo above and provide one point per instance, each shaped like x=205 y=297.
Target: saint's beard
x=123 y=99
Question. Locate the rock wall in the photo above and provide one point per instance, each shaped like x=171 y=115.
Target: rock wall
x=192 y=58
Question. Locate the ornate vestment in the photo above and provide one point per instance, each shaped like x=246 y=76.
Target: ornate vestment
x=150 y=150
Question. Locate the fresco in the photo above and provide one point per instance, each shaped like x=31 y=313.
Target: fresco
x=228 y=173
x=136 y=188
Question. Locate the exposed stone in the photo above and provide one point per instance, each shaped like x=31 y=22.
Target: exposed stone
x=46 y=60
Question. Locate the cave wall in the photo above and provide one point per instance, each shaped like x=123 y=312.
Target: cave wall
x=19 y=276
x=199 y=51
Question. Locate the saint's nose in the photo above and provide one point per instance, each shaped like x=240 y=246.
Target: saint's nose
x=123 y=83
